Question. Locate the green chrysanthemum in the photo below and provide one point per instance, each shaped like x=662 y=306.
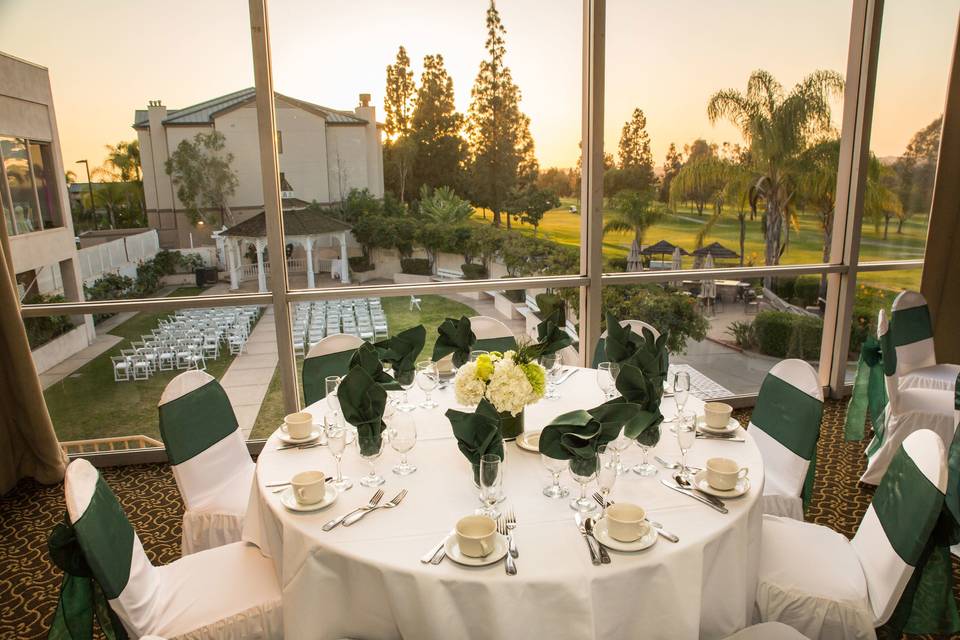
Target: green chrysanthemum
x=536 y=377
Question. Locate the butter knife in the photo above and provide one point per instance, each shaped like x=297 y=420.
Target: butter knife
x=563 y=378
x=427 y=557
x=591 y=543
x=693 y=495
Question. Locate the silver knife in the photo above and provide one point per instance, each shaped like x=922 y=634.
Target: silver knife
x=695 y=496
x=565 y=376
x=591 y=543
x=427 y=557
x=727 y=438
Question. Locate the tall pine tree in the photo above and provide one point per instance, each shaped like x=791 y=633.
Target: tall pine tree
x=498 y=133
x=634 y=148
x=398 y=115
x=439 y=151
x=671 y=167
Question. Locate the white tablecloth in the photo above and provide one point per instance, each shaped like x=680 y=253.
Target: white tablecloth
x=367 y=581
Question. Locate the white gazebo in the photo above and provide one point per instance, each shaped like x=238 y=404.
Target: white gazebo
x=308 y=229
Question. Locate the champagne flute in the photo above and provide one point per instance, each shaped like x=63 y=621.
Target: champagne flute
x=686 y=435
x=555 y=467
x=427 y=379
x=551 y=363
x=406 y=381
x=491 y=477
x=332 y=384
x=607 y=373
x=617 y=446
x=681 y=391
x=372 y=479
x=608 y=460
x=583 y=471
x=403 y=437
x=337 y=442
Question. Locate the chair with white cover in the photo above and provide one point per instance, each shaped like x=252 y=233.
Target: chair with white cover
x=228 y=592
x=209 y=459
x=636 y=326
x=825 y=586
x=911 y=331
x=329 y=357
x=907 y=410
x=785 y=424
x=768 y=631
x=492 y=334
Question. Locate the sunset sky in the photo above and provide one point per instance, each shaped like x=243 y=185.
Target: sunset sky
x=112 y=56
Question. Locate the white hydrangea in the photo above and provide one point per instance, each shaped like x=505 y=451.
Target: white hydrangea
x=509 y=389
x=469 y=389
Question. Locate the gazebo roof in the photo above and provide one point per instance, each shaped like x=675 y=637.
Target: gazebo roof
x=298 y=222
x=717 y=250
x=662 y=248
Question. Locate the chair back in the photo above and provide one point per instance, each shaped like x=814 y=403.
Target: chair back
x=492 y=335
x=636 y=326
x=111 y=548
x=786 y=425
x=329 y=357
x=204 y=444
x=911 y=331
x=900 y=519
x=891 y=379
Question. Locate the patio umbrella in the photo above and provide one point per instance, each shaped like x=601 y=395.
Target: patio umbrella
x=663 y=248
x=677 y=262
x=634 y=262
x=718 y=251
x=709 y=287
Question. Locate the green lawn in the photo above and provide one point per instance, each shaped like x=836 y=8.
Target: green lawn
x=88 y=403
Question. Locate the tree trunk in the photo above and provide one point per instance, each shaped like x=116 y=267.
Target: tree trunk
x=900 y=222
x=886 y=226
x=496 y=217
x=774 y=222
x=700 y=206
x=743 y=236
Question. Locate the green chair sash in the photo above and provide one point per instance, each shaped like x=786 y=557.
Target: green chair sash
x=194 y=422
x=506 y=343
x=788 y=415
x=316 y=370
x=869 y=395
x=106 y=538
x=911 y=325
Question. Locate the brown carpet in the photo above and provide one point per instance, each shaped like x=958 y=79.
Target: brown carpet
x=29 y=583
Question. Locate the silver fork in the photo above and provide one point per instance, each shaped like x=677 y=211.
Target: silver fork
x=673 y=465
x=370 y=505
x=672 y=537
x=511 y=525
x=511 y=566
x=389 y=505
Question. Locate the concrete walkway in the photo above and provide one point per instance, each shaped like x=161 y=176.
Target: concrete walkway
x=248 y=376
x=98 y=347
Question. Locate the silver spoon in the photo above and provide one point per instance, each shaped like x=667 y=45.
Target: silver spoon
x=604 y=556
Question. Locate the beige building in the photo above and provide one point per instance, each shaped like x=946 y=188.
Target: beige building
x=324 y=153
x=39 y=235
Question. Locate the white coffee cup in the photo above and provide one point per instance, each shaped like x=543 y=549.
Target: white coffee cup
x=626 y=522
x=298 y=425
x=475 y=536
x=717 y=414
x=309 y=487
x=724 y=473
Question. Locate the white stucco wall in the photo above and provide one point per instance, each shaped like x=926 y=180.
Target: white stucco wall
x=239 y=128
x=304 y=157
x=346 y=160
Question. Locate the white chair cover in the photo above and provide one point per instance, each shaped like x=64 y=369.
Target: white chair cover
x=913 y=336
x=335 y=343
x=907 y=410
x=825 y=586
x=484 y=327
x=786 y=417
x=209 y=460
x=768 y=631
x=229 y=592
x=637 y=326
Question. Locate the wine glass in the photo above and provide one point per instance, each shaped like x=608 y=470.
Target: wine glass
x=427 y=379
x=337 y=442
x=686 y=435
x=583 y=471
x=617 y=446
x=372 y=479
x=332 y=384
x=681 y=391
x=406 y=381
x=608 y=463
x=476 y=353
x=491 y=478
x=403 y=437
x=607 y=373
x=645 y=469
x=551 y=363
x=555 y=467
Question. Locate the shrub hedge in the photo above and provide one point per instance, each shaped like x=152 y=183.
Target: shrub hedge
x=787 y=335
x=473 y=271
x=415 y=266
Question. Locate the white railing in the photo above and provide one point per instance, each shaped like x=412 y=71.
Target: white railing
x=297 y=265
x=249 y=271
x=119 y=256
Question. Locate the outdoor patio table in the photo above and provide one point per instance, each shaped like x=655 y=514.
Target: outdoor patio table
x=367 y=581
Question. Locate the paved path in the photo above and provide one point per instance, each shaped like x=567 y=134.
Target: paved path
x=100 y=344
x=248 y=376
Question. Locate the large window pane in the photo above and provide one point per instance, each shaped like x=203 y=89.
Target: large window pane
x=46 y=180
x=16 y=163
x=697 y=154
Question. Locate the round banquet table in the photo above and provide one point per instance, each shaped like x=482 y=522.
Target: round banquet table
x=367 y=581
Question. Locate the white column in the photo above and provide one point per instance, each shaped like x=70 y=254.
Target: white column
x=261 y=272
x=308 y=246
x=344 y=262
x=232 y=249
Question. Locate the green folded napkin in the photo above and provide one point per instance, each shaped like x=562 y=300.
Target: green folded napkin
x=477 y=433
x=645 y=351
x=637 y=388
x=362 y=400
x=456 y=337
x=552 y=335
x=402 y=350
x=621 y=343
x=576 y=435
x=367 y=358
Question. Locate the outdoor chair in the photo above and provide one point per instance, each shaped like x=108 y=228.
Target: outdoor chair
x=121 y=368
x=141 y=368
x=415 y=303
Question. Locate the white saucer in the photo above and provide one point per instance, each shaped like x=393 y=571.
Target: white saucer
x=732 y=426
x=529 y=441
x=452 y=549
x=287 y=500
x=603 y=536
x=700 y=482
x=286 y=437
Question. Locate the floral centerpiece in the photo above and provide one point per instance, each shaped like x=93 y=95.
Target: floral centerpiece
x=509 y=381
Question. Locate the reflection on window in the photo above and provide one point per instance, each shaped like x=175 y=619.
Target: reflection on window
x=16 y=163
x=46 y=183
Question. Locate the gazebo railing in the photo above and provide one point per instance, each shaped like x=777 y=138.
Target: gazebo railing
x=249 y=271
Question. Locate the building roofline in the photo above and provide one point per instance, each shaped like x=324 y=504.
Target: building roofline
x=21 y=60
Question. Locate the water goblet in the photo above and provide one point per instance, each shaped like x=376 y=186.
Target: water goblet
x=608 y=460
x=336 y=443
x=403 y=437
x=406 y=381
x=551 y=363
x=617 y=446
x=607 y=373
x=427 y=379
x=491 y=479
x=476 y=353
x=681 y=391
x=555 y=467
x=645 y=469
x=332 y=384
x=583 y=471
x=372 y=479
x=686 y=435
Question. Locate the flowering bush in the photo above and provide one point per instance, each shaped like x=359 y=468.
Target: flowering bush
x=510 y=381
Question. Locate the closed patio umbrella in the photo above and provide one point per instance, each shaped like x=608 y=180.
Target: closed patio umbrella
x=709 y=287
x=634 y=261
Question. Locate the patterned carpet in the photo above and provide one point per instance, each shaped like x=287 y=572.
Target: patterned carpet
x=29 y=583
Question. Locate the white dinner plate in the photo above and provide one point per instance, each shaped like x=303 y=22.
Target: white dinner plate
x=452 y=548
x=601 y=533
x=700 y=481
x=529 y=441
x=286 y=437
x=732 y=426
x=287 y=500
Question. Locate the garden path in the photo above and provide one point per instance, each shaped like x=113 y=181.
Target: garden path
x=248 y=376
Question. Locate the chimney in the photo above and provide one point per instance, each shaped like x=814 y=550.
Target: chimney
x=364 y=99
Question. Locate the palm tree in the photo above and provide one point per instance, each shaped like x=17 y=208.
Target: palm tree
x=444 y=206
x=633 y=211
x=124 y=158
x=778 y=127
